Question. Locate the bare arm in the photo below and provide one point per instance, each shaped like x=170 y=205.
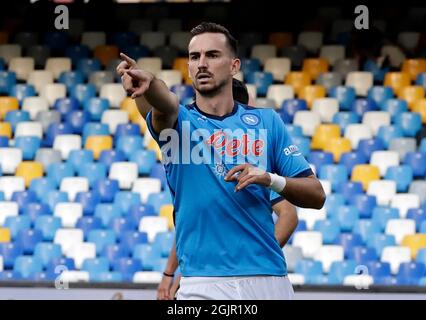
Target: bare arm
x=287 y=221
x=166 y=288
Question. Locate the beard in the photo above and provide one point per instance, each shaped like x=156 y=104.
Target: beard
x=211 y=91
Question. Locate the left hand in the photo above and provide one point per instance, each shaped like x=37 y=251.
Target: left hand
x=248 y=174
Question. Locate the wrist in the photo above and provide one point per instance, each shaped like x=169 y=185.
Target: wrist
x=168 y=274
x=278 y=182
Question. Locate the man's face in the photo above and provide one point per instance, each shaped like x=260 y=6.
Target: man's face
x=211 y=63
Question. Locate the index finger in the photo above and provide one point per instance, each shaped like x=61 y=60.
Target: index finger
x=234 y=170
x=127 y=59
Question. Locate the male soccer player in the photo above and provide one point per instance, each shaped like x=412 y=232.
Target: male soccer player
x=222 y=159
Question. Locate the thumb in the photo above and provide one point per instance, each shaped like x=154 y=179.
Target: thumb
x=134 y=74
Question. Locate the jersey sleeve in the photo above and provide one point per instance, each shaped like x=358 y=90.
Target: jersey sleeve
x=287 y=160
x=275 y=198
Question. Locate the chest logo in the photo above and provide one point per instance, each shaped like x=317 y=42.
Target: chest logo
x=250 y=119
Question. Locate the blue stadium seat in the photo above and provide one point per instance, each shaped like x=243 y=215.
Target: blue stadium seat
x=55 y=129
x=121 y=224
x=304 y=145
x=361 y=106
x=364 y=203
x=388 y=133
x=24 y=198
x=4 y=142
x=95 y=107
x=106 y=188
x=409 y=273
x=101 y=238
x=96 y=265
x=380 y=241
x=56 y=40
x=52 y=198
x=410 y=122
x=136 y=52
x=377 y=70
x=71 y=78
x=145 y=159
x=351 y=159
x=138 y=211
x=289 y=107
x=381 y=215
x=418 y=215
x=16 y=116
x=159 y=172
x=47 y=251
x=129 y=145
x=108 y=157
x=335 y=173
x=21 y=91
x=159 y=199
x=125 y=199
x=363 y=255
x=106 y=212
x=10 y=275
x=184 y=92
x=42 y=276
x=378 y=269
x=329 y=230
x=421 y=79
x=77 y=119
x=422 y=147
x=332 y=202
x=83 y=92
x=29 y=146
x=308 y=267
x=7 y=81
x=78 y=157
x=89 y=201
x=380 y=94
x=16 y=224
x=57 y=265
x=113 y=252
x=345 y=118
x=417 y=161
x=345 y=96
x=66 y=106
x=421 y=256
x=10 y=251
x=349 y=241
x=2 y=64
x=349 y=189
x=163 y=242
x=402 y=175
x=127 y=129
x=28 y=239
x=35 y=210
x=262 y=80
x=147 y=254
x=88 y=224
x=95 y=129
x=395 y=107
x=319 y=159
x=76 y=53
x=87 y=66
x=128 y=267
x=27 y=265
x=93 y=171
x=367 y=146
x=340 y=269
x=129 y=239
x=250 y=65
x=124 y=39
x=57 y=171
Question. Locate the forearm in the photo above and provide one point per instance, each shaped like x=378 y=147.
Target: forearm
x=172 y=262
x=159 y=97
x=304 y=192
x=286 y=223
x=143 y=106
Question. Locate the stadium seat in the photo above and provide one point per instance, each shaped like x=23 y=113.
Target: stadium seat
x=297 y=80
x=101 y=238
x=310 y=93
x=340 y=269
x=127 y=267
x=67 y=238
x=361 y=81
x=397 y=80
x=48 y=225
x=315 y=66
x=69 y=213
x=383 y=160
x=290 y=107
x=307 y=120
x=415 y=242
x=343 y=119
x=417 y=161
x=28 y=239
x=83 y=92
x=326 y=108
x=363 y=255
x=106 y=212
x=405 y=201
x=349 y=241
x=27 y=265
x=74 y=185
x=262 y=80
x=337 y=147
x=89 y=200
x=16 y=223
x=29 y=170
x=152 y=226
x=66 y=143
x=311 y=40
x=5 y=236
x=125 y=172
x=309 y=268
x=114 y=92
x=380 y=94
x=97 y=144
x=403 y=146
x=80 y=252
x=410 y=122
x=414 y=67
x=336 y=174
x=47 y=156
x=8 y=104
x=10 y=184
x=418 y=215
x=96 y=107
x=77 y=120
x=345 y=96
x=420 y=108
x=308 y=241
x=46 y=252
x=409 y=273
x=93 y=172
x=295 y=53
x=87 y=66
x=365 y=174
x=357 y=132
x=412 y=94
x=88 y=224
x=383 y=190
x=399 y=228
x=279 y=67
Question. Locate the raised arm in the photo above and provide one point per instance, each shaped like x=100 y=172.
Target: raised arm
x=149 y=92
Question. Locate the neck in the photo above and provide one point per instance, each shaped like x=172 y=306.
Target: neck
x=219 y=105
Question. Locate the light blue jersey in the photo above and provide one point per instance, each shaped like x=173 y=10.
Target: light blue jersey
x=220 y=232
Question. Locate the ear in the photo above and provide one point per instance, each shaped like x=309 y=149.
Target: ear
x=236 y=65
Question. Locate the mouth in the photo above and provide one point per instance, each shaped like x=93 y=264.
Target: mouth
x=203 y=76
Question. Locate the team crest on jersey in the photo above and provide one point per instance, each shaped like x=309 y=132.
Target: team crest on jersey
x=250 y=119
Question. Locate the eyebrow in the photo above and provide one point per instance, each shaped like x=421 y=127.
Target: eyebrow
x=207 y=52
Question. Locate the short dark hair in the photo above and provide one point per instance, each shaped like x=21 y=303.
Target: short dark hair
x=212 y=27
x=239 y=91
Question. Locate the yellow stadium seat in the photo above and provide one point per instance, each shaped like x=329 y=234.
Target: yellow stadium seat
x=298 y=80
x=412 y=94
x=29 y=170
x=167 y=212
x=98 y=144
x=181 y=64
x=7 y=104
x=365 y=173
x=397 y=80
x=420 y=107
x=315 y=66
x=312 y=92
x=413 y=67
x=322 y=135
x=5 y=235
x=106 y=53
x=281 y=39
x=135 y=117
x=4 y=37
x=337 y=146
x=6 y=129
x=153 y=145
x=414 y=242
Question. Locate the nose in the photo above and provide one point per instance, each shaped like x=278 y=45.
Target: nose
x=202 y=62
